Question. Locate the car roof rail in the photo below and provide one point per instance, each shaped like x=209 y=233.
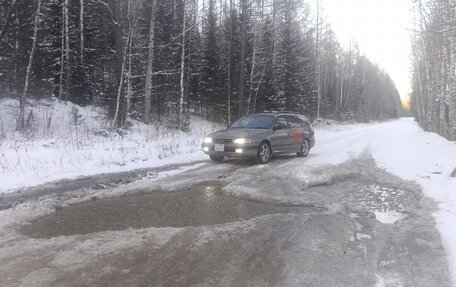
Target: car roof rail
x=288 y=112
x=281 y=112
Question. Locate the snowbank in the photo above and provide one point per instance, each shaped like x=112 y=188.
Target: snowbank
x=66 y=141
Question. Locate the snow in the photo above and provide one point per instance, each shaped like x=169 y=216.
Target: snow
x=388 y=217
x=393 y=282
x=68 y=149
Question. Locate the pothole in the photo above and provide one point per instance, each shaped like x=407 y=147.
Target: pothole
x=202 y=205
x=388 y=203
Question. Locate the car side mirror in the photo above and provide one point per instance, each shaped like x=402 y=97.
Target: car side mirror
x=279 y=126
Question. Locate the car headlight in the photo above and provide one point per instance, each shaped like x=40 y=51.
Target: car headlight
x=208 y=140
x=242 y=141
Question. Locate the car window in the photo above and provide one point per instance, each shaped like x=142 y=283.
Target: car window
x=254 y=122
x=283 y=121
x=294 y=122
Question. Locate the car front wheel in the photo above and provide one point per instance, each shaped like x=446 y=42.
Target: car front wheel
x=305 y=148
x=264 y=153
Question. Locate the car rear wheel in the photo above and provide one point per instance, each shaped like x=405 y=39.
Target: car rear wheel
x=264 y=153
x=305 y=148
x=217 y=158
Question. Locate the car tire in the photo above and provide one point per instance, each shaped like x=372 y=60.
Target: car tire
x=305 y=148
x=217 y=158
x=264 y=153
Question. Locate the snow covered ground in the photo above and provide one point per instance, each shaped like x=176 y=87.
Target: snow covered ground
x=58 y=146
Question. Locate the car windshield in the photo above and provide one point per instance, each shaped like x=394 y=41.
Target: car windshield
x=254 y=122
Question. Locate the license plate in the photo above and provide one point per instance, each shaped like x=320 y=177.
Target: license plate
x=219 y=147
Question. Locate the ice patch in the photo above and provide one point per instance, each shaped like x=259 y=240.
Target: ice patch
x=361 y=236
x=390 y=282
x=388 y=217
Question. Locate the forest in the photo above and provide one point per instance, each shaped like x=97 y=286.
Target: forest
x=434 y=66
x=159 y=61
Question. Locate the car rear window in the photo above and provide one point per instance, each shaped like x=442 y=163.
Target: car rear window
x=294 y=122
x=254 y=122
x=305 y=121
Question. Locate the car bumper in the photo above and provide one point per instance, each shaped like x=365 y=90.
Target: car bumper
x=312 y=142
x=234 y=151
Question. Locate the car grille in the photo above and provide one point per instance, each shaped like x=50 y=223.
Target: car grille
x=223 y=141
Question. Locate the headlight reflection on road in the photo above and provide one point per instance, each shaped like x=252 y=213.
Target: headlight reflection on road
x=209 y=192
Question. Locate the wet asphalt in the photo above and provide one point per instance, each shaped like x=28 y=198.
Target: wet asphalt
x=198 y=234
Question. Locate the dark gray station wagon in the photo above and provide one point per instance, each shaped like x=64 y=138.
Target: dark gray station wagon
x=260 y=136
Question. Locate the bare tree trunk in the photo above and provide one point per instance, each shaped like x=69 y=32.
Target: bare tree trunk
x=121 y=53
x=452 y=68
x=81 y=30
x=129 y=87
x=191 y=32
x=16 y=53
x=251 y=76
x=131 y=11
x=62 y=55
x=116 y=121
x=230 y=48
x=182 y=73
x=67 y=48
x=21 y=119
x=341 y=87
x=274 y=34
x=148 y=85
x=241 y=105
x=317 y=58
x=259 y=84
x=348 y=72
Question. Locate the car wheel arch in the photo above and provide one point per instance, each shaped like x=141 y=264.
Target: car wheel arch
x=269 y=144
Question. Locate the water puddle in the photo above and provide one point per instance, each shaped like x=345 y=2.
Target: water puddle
x=385 y=202
x=202 y=205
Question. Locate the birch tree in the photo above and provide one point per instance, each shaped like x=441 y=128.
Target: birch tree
x=21 y=118
x=182 y=72
x=434 y=59
x=241 y=103
x=81 y=30
x=150 y=59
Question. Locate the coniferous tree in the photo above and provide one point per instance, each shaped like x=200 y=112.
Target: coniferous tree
x=221 y=59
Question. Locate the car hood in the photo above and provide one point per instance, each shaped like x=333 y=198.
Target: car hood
x=234 y=133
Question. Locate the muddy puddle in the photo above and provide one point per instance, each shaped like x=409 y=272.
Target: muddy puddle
x=386 y=202
x=203 y=205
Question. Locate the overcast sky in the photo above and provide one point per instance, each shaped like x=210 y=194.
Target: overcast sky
x=380 y=27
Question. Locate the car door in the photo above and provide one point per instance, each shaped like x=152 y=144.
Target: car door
x=281 y=138
x=306 y=127
x=296 y=133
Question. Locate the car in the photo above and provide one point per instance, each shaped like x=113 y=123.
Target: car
x=260 y=136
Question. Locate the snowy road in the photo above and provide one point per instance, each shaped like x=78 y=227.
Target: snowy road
x=332 y=219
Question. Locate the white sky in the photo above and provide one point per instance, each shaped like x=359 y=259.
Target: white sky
x=380 y=29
